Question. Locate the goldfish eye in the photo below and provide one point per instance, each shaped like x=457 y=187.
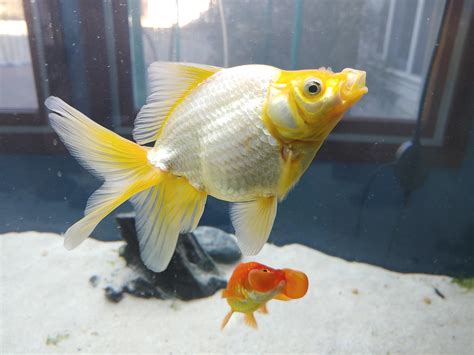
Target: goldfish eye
x=312 y=86
x=262 y=281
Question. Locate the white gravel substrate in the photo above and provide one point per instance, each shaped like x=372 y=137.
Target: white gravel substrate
x=48 y=305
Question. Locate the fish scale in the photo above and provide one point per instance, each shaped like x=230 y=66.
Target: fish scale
x=215 y=127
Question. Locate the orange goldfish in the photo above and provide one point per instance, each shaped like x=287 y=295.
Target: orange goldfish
x=253 y=284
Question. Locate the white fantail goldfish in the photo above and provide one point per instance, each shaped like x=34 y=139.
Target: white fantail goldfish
x=244 y=134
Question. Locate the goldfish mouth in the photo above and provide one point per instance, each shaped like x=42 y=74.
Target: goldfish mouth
x=354 y=87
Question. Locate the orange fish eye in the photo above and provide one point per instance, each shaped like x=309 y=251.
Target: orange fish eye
x=262 y=280
x=296 y=283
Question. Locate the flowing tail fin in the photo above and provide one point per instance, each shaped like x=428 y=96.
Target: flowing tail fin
x=165 y=204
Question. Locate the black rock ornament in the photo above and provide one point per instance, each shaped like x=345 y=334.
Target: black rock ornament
x=191 y=273
x=221 y=246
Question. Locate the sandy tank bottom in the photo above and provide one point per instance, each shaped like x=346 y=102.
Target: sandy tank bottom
x=48 y=305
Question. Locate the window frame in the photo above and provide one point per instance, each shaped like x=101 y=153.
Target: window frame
x=28 y=131
x=28 y=116
x=48 y=61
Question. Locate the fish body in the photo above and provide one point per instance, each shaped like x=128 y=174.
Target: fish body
x=244 y=135
x=253 y=284
x=217 y=140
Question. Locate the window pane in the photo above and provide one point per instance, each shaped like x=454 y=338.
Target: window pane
x=432 y=12
x=382 y=23
x=391 y=39
x=18 y=90
x=401 y=33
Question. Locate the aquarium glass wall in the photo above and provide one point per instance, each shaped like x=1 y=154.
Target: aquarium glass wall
x=381 y=221
x=360 y=196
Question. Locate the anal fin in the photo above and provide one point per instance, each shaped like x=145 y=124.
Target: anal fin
x=250 y=320
x=162 y=212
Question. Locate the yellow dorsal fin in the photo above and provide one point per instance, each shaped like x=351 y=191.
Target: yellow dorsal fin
x=169 y=84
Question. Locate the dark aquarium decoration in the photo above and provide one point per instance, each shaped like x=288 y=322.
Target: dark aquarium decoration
x=192 y=272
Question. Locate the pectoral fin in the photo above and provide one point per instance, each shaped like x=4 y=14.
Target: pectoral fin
x=226 y=319
x=253 y=222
